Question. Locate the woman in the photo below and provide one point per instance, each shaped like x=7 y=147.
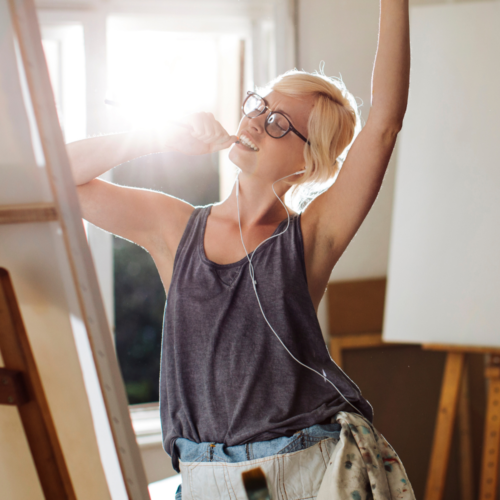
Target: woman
x=246 y=379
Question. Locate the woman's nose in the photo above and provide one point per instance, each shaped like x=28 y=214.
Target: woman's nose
x=259 y=122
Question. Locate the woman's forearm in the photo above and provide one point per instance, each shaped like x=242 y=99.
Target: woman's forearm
x=391 y=74
x=92 y=157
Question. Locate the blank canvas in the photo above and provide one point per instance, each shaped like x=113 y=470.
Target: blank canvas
x=444 y=265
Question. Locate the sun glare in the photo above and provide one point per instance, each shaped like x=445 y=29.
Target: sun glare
x=155 y=77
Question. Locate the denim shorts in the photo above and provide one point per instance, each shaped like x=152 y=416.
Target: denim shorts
x=190 y=451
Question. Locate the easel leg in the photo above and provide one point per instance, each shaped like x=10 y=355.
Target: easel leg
x=35 y=414
x=491 y=445
x=464 y=425
x=443 y=432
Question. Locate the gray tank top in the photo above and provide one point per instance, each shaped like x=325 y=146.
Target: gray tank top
x=225 y=377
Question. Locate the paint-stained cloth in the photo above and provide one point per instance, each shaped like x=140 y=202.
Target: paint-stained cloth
x=363 y=465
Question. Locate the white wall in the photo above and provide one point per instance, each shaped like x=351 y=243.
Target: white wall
x=343 y=33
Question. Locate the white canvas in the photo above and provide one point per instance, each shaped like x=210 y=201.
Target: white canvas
x=444 y=267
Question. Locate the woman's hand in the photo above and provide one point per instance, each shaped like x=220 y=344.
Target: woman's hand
x=198 y=134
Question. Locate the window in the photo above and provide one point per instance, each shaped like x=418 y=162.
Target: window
x=64 y=52
x=155 y=57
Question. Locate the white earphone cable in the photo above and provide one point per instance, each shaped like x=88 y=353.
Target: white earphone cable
x=254 y=282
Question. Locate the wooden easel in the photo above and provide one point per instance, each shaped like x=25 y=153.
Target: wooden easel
x=21 y=386
x=20 y=383
x=454 y=398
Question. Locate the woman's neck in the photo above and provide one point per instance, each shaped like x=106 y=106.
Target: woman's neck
x=257 y=203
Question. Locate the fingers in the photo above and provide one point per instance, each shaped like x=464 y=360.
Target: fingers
x=225 y=144
x=205 y=127
x=197 y=122
x=222 y=134
x=208 y=130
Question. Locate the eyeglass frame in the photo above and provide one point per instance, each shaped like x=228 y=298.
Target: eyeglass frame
x=290 y=128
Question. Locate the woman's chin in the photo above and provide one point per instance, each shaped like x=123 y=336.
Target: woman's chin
x=240 y=160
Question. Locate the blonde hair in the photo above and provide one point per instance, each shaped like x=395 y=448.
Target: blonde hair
x=333 y=125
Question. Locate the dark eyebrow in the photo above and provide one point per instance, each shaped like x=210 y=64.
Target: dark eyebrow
x=280 y=110
x=284 y=113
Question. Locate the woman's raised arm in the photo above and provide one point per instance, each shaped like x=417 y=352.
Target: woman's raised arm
x=336 y=215
x=391 y=73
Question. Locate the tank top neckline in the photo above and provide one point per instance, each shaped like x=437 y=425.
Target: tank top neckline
x=201 y=243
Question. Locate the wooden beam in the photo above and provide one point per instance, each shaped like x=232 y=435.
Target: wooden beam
x=461 y=348
x=445 y=421
x=359 y=341
x=29 y=212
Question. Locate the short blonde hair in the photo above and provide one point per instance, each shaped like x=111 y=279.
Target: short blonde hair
x=333 y=124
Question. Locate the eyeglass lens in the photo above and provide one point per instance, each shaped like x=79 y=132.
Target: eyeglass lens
x=276 y=124
x=253 y=106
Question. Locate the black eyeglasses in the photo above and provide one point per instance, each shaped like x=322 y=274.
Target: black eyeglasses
x=277 y=125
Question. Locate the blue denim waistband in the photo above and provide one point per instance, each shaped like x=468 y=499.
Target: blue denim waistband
x=189 y=451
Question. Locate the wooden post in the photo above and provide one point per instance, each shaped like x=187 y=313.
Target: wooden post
x=465 y=441
x=491 y=446
x=444 y=426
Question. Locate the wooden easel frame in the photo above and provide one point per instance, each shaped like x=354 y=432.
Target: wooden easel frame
x=357 y=341
x=21 y=386
x=66 y=211
x=454 y=397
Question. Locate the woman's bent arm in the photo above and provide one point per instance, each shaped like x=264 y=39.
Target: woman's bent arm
x=126 y=212
x=151 y=219
x=199 y=134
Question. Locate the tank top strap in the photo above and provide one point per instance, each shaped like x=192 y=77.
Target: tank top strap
x=191 y=238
